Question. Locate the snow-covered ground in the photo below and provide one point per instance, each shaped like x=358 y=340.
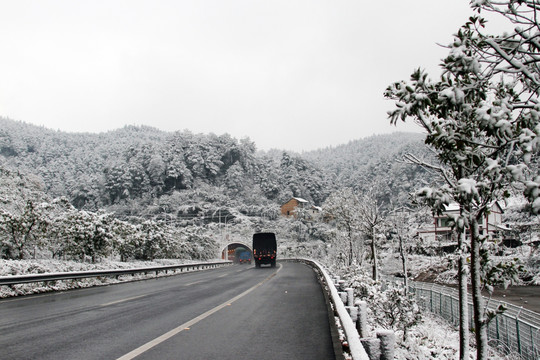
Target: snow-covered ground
x=441 y=270
x=428 y=335
x=434 y=338
x=22 y=267
x=431 y=338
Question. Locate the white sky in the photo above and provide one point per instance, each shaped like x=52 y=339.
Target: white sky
x=288 y=74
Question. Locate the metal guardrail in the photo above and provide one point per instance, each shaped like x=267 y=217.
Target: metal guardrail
x=31 y=278
x=349 y=329
x=515 y=331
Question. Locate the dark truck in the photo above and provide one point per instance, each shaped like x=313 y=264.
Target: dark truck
x=264 y=249
x=244 y=257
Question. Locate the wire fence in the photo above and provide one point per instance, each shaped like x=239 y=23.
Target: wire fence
x=515 y=331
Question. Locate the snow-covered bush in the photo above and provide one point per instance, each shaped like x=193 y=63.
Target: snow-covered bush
x=23 y=267
x=393 y=308
x=389 y=305
x=498 y=271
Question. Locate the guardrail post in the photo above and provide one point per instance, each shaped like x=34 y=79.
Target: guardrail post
x=451 y=309
x=440 y=304
x=372 y=347
x=353 y=313
x=361 y=324
x=388 y=344
x=431 y=299
x=350 y=296
x=532 y=341
x=507 y=332
x=518 y=338
x=343 y=296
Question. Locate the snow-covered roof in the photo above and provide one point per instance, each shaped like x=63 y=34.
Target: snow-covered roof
x=500 y=226
x=300 y=200
x=455 y=206
x=500 y=204
x=452 y=207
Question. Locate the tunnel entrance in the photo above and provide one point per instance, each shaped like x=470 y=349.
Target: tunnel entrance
x=238 y=253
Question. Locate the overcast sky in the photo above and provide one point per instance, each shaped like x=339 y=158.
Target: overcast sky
x=288 y=74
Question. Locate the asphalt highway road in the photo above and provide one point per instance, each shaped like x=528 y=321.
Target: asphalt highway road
x=237 y=312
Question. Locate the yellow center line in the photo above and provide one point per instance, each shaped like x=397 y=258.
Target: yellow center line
x=138 y=351
x=195 y=282
x=123 y=300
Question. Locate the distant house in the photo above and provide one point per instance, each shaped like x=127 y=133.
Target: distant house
x=442 y=224
x=315 y=210
x=291 y=206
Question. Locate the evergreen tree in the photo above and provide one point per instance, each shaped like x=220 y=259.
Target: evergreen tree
x=482 y=120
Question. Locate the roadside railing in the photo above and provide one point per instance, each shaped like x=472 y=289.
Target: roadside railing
x=32 y=278
x=515 y=331
x=356 y=348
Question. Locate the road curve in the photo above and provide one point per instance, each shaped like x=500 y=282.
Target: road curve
x=237 y=312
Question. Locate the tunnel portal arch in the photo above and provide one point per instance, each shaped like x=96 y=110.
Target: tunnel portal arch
x=233 y=250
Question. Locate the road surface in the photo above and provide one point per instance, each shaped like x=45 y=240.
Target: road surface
x=236 y=312
x=526 y=296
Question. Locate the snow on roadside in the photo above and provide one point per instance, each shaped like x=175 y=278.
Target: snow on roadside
x=435 y=338
x=432 y=338
x=23 y=267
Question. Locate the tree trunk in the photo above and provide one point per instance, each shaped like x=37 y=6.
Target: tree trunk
x=20 y=247
x=374 y=253
x=480 y=324
x=350 y=247
x=463 y=298
x=404 y=264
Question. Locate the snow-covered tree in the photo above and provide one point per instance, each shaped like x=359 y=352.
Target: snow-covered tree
x=23 y=208
x=22 y=230
x=401 y=227
x=235 y=178
x=342 y=208
x=482 y=119
x=371 y=220
x=150 y=240
x=84 y=233
x=123 y=242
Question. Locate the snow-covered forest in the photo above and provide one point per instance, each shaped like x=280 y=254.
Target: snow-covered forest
x=132 y=179
x=87 y=201
x=141 y=194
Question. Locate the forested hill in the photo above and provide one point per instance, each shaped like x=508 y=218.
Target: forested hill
x=130 y=169
x=376 y=164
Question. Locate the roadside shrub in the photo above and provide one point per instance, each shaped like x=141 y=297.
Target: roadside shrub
x=389 y=305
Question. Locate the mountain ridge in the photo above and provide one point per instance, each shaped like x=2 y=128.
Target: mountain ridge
x=136 y=163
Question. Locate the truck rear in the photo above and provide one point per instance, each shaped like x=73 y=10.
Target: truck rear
x=244 y=257
x=264 y=249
